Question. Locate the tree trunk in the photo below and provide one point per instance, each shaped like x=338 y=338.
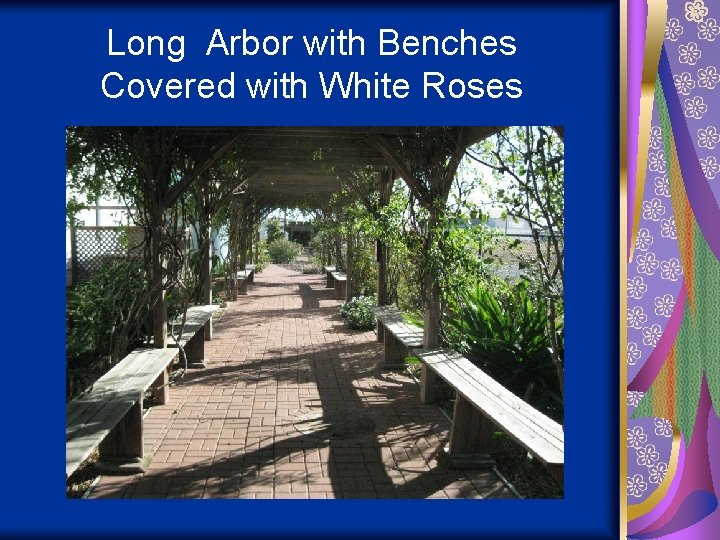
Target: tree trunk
x=159 y=279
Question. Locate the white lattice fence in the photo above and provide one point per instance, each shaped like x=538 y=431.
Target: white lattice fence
x=93 y=247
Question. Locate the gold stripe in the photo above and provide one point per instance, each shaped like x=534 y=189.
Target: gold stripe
x=640 y=509
x=657 y=13
x=657 y=16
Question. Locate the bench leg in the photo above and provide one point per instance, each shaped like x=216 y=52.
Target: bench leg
x=380 y=332
x=122 y=450
x=470 y=437
x=395 y=353
x=428 y=381
x=558 y=472
x=195 y=351
x=251 y=277
x=330 y=284
x=161 y=388
x=242 y=287
x=208 y=329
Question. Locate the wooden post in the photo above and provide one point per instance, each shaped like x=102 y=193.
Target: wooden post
x=350 y=283
x=206 y=271
x=257 y=243
x=431 y=318
x=338 y=253
x=385 y=182
x=159 y=280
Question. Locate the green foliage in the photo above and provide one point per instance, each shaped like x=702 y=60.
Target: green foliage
x=274 y=231
x=358 y=313
x=283 y=251
x=505 y=334
x=263 y=257
x=106 y=313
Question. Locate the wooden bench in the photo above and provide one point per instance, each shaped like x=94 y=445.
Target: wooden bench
x=110 y=414
x=340 y=285
x=400 y=338
x=481 y=405
x=330 y=280
x=197 y=330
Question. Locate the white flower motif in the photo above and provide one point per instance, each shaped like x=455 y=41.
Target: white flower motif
x=663 y=427
x=689 y=54
x=695 y=107
x=636 y=486
x=710 y=167
x=633 y=398
x=668 y=229
x=651 y=335
x=684 y=83
x=655 y=137
x=653 y=210
x=707 y=78
x=658 y=472
x=671 y=269
x=636 y=287
x=647 y=455
x=644 y=240
x=664 y=305
x=636 y=317
x=695 y=11
x=662 y=186
x=708 y=137
x=647 y=263
x=633 y=353
x=673 y=29
x=636 y=436
x=656 y=162
x=708 y=30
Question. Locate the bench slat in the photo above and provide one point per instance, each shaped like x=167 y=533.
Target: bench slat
x=392 y=320
x=477 y=376
x=539 y=434
x=410 y=336
x=339 y=276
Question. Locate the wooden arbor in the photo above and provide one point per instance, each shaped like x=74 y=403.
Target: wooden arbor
x=253 y=169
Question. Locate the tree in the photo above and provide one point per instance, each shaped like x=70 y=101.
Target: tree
x=274 y=231
x=528 y=166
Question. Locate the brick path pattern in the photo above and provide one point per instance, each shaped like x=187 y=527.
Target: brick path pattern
x=278 y=354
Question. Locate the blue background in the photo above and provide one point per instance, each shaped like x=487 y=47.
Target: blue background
x=52 y=61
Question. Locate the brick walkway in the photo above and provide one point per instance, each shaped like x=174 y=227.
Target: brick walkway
x=278 y=355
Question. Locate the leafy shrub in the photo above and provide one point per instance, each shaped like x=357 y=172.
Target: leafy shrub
x=263 y=257
x=105 y=314
x=284 y=251
x=505 y=334
x=358 y=314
